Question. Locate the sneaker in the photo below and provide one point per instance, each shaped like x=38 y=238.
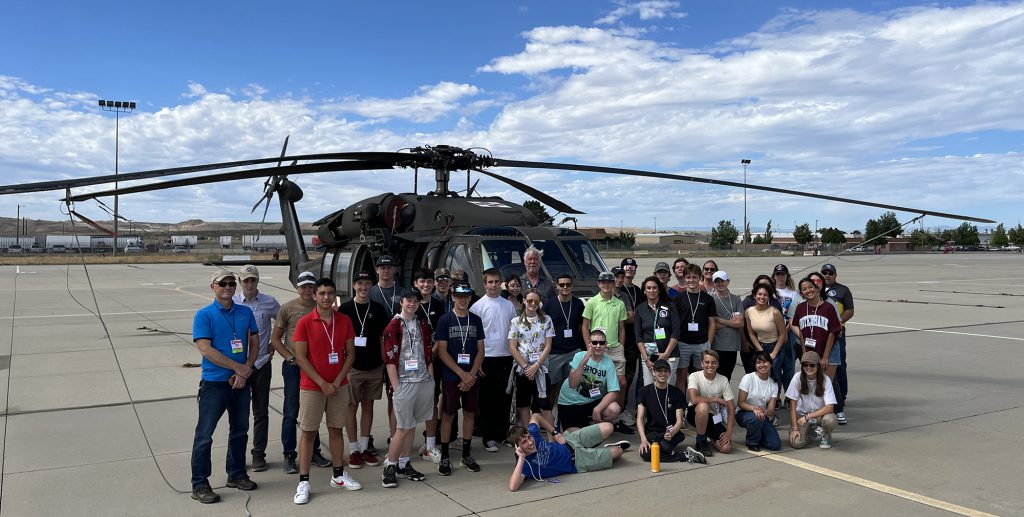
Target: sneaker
x=289 y=466
x=825 y=443
x=259 y=463
x=370 y=458
x=627 y=418
x=622 y=444
x=491 y=446
x=841 y=418
x=345 y=481
x=692 y=456
x=301 y=493
x=445 y=467
x=205 y=495
x=819 y=433
x=319 y=460
x=622 y=428
x=389 y=479
x=469 y=464
x=355 y=460
x=775 y=420
x=243 y=483
x=433 y=455
x=411 y=473
x=705 y=449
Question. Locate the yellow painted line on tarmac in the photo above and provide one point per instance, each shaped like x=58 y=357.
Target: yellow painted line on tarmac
x=935 y=331
x=872 y=485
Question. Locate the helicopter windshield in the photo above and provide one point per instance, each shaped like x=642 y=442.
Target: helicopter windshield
x=507 y=256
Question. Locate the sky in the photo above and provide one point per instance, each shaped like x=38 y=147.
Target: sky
x=913 y=104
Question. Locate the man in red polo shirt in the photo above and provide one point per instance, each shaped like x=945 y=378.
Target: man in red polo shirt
x=324 y=350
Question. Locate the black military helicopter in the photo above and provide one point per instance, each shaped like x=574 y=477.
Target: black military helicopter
x=439 y=228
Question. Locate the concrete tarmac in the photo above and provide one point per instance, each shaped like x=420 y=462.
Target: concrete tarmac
x=936 y=408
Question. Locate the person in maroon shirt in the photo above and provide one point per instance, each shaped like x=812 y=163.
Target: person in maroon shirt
x=816 y=323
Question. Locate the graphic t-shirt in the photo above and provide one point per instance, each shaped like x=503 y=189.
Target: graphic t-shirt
x=462 y=335
x=598 y=379
x=550 y=460
x=817 y=323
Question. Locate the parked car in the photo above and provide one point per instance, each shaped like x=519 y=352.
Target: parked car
x=58 y=248
x=36 y=248
x=179 y=249
x=132 y=249
x=14 y=248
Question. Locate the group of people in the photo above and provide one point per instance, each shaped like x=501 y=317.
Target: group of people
x=650 y=358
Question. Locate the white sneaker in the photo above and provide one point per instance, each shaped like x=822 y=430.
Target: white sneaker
x=433 y=455
x=302 y=493
x=345 y=481
x=491 y=446
x=841 y=418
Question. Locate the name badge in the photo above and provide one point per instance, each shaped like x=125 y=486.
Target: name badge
x=659 y=333
x=691 y=327
x=360 y=341
x=534 y=357
x=463 y=359
x=652 y=348
x=567 y=333
x=236 y=346
x=810 y=342
x=716 y=419
x=595 y=393
x=412 y=364
x=332 y=358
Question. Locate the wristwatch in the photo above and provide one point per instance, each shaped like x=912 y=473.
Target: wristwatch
x=290 y=360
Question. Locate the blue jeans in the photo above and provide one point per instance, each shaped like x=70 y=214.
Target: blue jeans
x=841 y=382
x=289 y=419
x=786 y=361
x=759 y=432
x=215 y=398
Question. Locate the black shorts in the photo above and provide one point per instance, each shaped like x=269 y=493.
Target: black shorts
x=571 y=415
x=454 y=399
x=713 y=431
x=527 y=395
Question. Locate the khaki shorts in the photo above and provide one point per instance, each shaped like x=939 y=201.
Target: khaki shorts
x=618 y=356
x=365 y=384
x=313 y=404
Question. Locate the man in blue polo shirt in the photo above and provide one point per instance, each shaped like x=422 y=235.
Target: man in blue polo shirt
x=228 y=338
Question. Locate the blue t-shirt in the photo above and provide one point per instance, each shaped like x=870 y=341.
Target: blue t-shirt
x=462 y=335
x=550 y=460
x=597 y=375
x=220 y=326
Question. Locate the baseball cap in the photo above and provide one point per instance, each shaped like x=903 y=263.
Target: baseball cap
x=627 y=262
x=385 y=260
x=662 y=266
x=616 y=270
x=442 y=273
x=606 y=276
x=720 y=275
x=305 y=278
x=412 y=293
x=221 y=274
x=462 y=289
x=828 y=267
x=249 y=271
x=810 y=356
x=662 y=364
x=361 y=275
x=781 y=268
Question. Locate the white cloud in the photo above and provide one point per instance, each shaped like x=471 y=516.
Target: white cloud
x=646 y=11
x=428 y=104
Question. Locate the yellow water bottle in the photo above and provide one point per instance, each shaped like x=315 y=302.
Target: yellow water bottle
x=655 y=457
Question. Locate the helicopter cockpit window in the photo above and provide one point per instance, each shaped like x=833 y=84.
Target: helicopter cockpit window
x=587 y=260
x=554 y=259
x=460 y=256
x=505 y=255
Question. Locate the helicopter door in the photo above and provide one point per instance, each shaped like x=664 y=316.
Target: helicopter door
x=462 y=254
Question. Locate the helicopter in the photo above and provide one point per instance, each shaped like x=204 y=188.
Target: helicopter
x=438 y=228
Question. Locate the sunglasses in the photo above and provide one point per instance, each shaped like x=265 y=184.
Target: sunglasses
x=809 y=365
x=532 y=302
x=710 y=269
x=598 y=343
x=564 y=285
x=828 y=273
x=222 y=283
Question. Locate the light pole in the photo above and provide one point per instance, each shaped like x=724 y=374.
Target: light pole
x=745 y=162
x=117 y=107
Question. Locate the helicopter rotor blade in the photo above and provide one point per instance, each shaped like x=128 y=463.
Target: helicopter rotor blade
x=538 y=195
x=307 y=168
x=679 y=177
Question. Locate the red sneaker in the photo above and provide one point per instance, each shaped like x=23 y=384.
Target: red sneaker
x=355 y=461
x=370 y=459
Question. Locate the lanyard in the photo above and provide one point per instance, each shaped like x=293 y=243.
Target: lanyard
x=390 y=299
x=629 y=293
x=330 y=335
x=693 y=307
x=360 y=319
x=426 y=312
x=464 y=331
x=231 y=322
x=663 y=406
x=564 y=315
x=731 y=306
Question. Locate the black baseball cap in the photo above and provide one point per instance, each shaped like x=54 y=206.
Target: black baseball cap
x=616 y=270
x=462 y=289
x=662 y=364
x=361 y=275
x=781 y=268
x=828 y=267
x=627 y=262
x=385 y=260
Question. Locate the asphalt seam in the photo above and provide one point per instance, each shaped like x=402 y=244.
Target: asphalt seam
x=7 y=401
